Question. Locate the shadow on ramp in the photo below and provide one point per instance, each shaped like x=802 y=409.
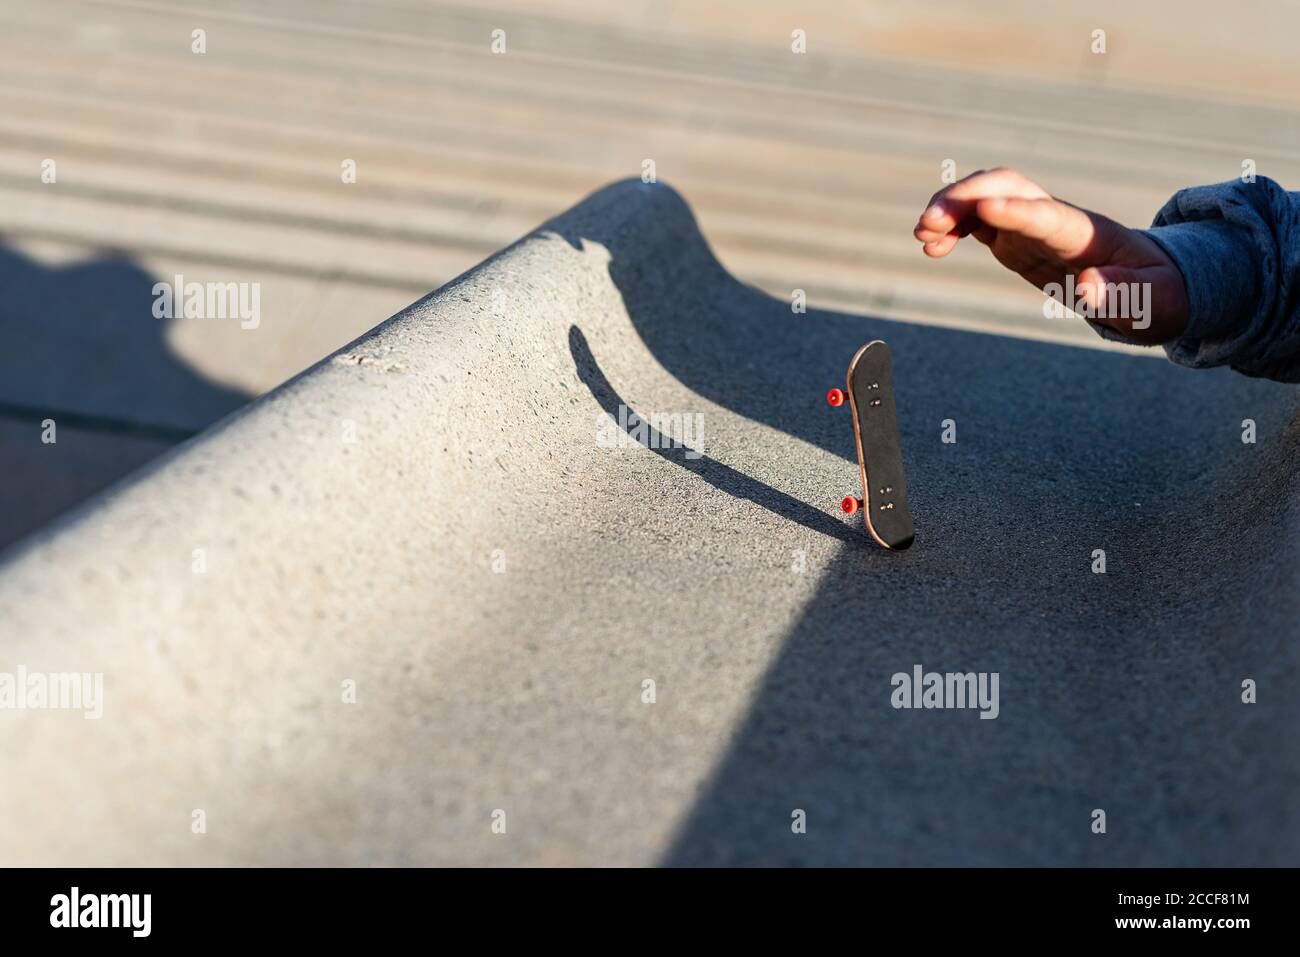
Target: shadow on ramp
x=1119 y=691
x=720 y=476
x=87 y=352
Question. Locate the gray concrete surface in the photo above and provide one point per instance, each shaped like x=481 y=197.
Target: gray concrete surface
x=436 y=514
x=806 y=170
x=43 y=479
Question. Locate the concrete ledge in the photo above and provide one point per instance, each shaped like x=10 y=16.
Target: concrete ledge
x=431 y=517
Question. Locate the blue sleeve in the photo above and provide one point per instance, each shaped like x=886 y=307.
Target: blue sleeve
x=1237 y=245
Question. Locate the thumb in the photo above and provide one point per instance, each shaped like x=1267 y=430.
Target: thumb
x=1062 y=228
x=1136 y=302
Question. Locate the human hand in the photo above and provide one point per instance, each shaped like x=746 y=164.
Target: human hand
x=1045 y=240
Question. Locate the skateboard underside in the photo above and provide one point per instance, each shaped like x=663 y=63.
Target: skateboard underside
x=880 y=452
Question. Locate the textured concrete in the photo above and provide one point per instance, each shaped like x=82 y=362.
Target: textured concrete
x=806 y=170
x=437 y=514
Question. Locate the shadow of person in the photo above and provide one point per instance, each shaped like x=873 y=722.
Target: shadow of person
x=86 y=353
x=1117 y=685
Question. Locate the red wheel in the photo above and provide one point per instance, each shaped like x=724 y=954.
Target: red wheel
x=850 y=504
x=835 y=397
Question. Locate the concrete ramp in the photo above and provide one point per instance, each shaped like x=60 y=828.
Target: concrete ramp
x=439 y=600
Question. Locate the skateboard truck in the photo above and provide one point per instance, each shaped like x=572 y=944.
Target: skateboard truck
x=880 y=458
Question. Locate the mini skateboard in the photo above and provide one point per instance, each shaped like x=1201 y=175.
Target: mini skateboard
x=880 y=453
